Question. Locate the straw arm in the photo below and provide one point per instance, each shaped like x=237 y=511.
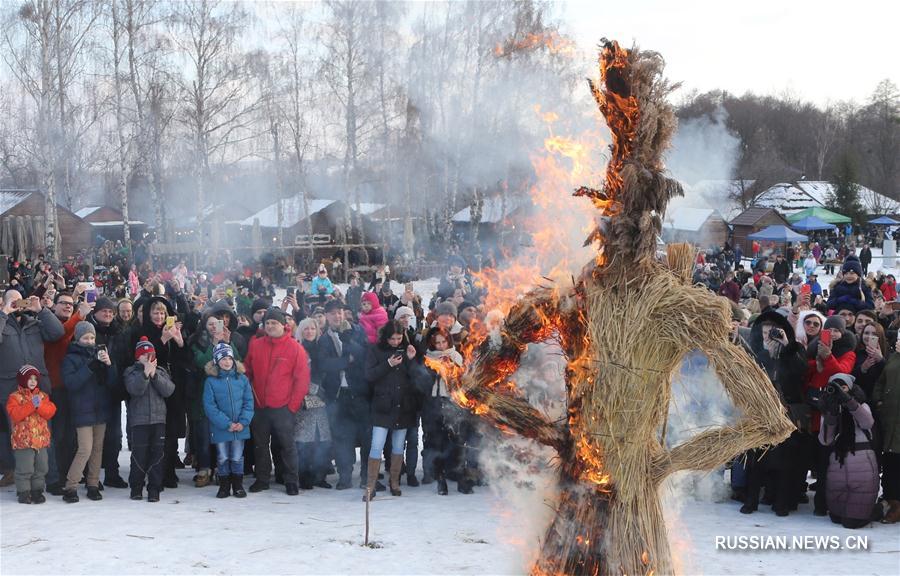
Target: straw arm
x=764 y=420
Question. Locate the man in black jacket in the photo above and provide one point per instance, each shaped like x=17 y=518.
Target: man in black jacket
x=781 y=270
x=865 y=258
x=342 y=355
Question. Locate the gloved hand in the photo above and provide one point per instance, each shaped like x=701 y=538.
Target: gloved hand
x=36 y=400
x=841 y=395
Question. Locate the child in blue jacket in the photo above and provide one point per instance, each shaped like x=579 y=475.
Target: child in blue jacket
x=228 y=402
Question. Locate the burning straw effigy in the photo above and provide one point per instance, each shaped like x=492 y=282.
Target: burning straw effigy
x=612 y=460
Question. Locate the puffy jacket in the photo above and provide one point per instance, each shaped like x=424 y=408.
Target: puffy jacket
x=147 y=404
x=278 y=369
x=227 y=398
x=842 y=360
x=857 y=295
x=323 y=284
x=851 y=488
x=374 y=319
x=89 y=383
x=30 y=428
x=395 y=394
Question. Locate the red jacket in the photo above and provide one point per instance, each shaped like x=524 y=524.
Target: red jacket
x=818 y=380
x=29 y=424
x=889 y=291
x=278 y=369
x=54 y=352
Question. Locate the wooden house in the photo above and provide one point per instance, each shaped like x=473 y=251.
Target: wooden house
x=751 y=220
x=23 y=230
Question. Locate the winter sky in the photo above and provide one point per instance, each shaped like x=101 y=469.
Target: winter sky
x=822 y=51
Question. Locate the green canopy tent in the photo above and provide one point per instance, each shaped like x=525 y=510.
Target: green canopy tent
x=821 y=214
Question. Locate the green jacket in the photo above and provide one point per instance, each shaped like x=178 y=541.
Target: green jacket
x=886 y=401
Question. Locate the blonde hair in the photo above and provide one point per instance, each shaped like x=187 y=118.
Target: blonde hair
x=298 y=333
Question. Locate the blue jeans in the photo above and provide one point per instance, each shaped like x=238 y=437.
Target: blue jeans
x=230 y=457
x=379 y=436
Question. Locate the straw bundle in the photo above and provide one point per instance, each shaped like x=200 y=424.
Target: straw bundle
x=624 y=329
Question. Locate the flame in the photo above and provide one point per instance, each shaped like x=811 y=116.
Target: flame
x=550 y=40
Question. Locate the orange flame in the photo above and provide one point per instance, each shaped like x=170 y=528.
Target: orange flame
x=550 y=40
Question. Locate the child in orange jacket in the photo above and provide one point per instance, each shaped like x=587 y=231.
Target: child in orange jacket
x=30 y=410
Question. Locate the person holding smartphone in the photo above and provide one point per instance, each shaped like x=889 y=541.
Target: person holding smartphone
x=832 y=352
x=391 y=373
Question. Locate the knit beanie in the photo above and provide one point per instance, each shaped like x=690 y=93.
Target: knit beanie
x=841 y=378
x=26 y=372
x=835 y=322
x=144 y=346
x=258 y=304
x=404 y=311
x=104 y=303
x=274 y=313
x=851 y=263
x=222 y=350
x=445 y=309
x=83 y=328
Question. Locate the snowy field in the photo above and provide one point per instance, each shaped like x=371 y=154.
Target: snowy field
x=494 y=531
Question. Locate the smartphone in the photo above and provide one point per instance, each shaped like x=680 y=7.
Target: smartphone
x=90 y=296
x=826 y=337
x=806 y=290
x=291 y=290
x=220 y=326
x=170 y=322
x=399 y=352
x=100 y=348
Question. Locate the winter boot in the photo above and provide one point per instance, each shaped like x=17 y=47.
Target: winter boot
x=396 y=467
x=93 y=493
x=137 y=492
x=893 y=513
x=224 y=487
x=464 y=482
x=70 y=496
x=427 y=478
x=9 y=478
x=371 y=478
x=203 y=479
x=115 y=482
x=442 y=485
x=259 y=486
x=55 y=489
x=237 y=486
x=37 y=496
x=24 y=497
x=412 y=481
x=152 y=495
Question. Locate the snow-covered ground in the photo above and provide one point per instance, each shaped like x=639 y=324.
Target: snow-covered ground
x=494 y=531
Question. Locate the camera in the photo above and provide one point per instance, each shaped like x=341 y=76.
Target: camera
x=776 y=334
x=831 y=388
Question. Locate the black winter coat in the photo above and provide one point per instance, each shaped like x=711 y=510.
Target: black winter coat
x=856 y=295
x=395 y=397
x=89 y=384
x=330 y=364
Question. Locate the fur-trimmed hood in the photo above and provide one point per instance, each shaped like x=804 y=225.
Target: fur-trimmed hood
x=212 y=370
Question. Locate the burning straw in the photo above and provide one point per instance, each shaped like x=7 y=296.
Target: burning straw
x=624 y=328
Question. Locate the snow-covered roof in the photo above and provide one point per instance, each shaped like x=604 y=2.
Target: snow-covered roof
x=117 y=223
x=9 y=199
x=872 y=202
x=292 y=212
x=366 y=208
x=787 y=199
x=491 y=210
x=687 y=219
x=86 y=211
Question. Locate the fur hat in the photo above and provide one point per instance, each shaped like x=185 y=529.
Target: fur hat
x=26 y=372
x=835 y=322
x=143 y=346
x=445 y=309
x=222 y=350
x=83 y=328
x=274 y=313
